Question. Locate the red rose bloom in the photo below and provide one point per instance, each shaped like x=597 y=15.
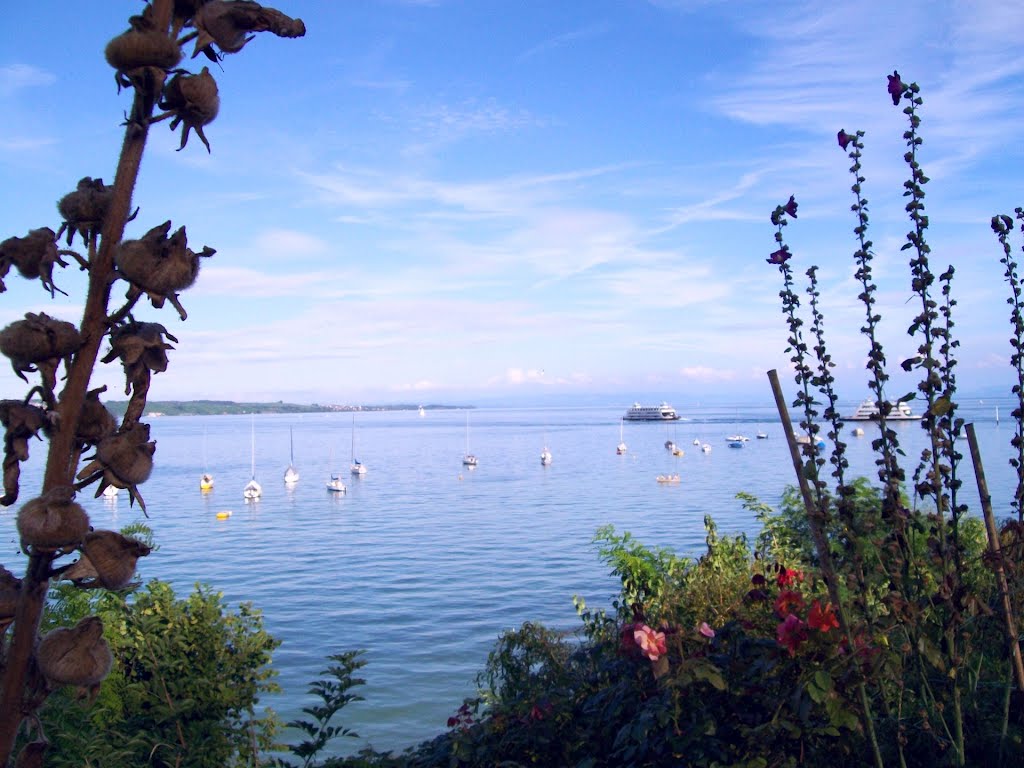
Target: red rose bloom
x=789 y=577
x=787 y=602
x=791 y=633
x=822 y=618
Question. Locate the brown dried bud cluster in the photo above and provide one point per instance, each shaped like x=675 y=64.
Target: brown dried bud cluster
x=194 y=102
x=160 y=265
x=143 y=45
x=95 y=422
x=34 y=256
x=39 y=343
x=108 y=560
x=227 y=25
x=21 y=422
x=143 y=351
x=75 y=655
x=84 y=209
x=123 y=460
x=52 y=521
x=10 y=588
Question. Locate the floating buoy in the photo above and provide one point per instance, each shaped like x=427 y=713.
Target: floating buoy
x=224 y=515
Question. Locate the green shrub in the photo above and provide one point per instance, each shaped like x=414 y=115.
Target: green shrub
x=183 y=690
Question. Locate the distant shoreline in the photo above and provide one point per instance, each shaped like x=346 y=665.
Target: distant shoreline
x=229 y=407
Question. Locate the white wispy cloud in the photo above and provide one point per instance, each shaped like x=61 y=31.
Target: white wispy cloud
x=15 y=77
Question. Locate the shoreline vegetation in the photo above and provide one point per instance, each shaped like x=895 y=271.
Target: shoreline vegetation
x=229 y=407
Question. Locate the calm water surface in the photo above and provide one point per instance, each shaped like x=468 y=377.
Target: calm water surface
x=423 y=563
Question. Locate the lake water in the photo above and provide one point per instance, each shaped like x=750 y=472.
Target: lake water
x=423 y=563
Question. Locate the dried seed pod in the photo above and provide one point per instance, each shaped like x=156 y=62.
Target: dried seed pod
x=194 y=102
x=75 y=655
x=84 y=209
x=52 y=521
x=142 y=46
x=22 y=422
x=31 y=755
x=123 y=460
x=227 y=25
x=95 y=421
x=184 y=10
x=82 y=573
x=10 y=591
x=143 y=351
x=34 y=256
x=108 y=560
x=160 y=265
x=39 y=342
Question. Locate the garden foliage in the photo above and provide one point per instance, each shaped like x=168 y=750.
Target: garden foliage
x=184 y=687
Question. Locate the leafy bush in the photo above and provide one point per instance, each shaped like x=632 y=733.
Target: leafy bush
x=183 y=690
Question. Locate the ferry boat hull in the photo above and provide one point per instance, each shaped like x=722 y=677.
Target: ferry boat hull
x=663 y=412
x=868 y=411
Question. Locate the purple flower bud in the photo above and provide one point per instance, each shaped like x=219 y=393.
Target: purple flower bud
x=896 y=87
x=844 y=139
x=790 y=207
x=780 y=256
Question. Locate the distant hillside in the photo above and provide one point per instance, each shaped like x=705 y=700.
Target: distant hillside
x=223 y=407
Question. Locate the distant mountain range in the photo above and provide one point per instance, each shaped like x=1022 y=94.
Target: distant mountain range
x=225 y=407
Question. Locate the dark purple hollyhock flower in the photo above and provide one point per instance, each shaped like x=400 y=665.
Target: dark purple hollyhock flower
x=790 y=207
x=780 y=256
x=844 y=139
x=896 y=87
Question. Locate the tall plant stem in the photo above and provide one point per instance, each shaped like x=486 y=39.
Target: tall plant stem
x=1013 y=644
x=814 y=522
x=60 y=467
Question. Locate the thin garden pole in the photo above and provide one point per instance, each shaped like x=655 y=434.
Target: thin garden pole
x=997 y=559
x=815 y=516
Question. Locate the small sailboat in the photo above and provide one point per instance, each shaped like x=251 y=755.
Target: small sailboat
x=206 y=480
x=545 y=454
x=621 y=447
x=111 y=491
x=422 y=412
x=336 y=484
x=253 y=490
x=705 y=448
x=357 y=466
x=469 y=459
x=672 y=447
x=291 y=475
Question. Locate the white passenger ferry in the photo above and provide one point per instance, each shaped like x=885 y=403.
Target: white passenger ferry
x=868 y=411
x=663 y=412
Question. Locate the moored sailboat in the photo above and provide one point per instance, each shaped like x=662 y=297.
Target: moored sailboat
x=291 y=475
x=253 y=490
x=468 y=459
x=357 y=467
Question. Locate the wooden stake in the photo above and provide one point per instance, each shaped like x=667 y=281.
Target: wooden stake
x=993 y=545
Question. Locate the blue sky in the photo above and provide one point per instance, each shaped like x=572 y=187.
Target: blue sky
x=443 y=200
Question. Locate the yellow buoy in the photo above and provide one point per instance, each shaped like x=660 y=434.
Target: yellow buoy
x=224 y=515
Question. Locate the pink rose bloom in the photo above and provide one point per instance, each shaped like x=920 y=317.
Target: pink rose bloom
x=651 y=642
x=705 y=630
